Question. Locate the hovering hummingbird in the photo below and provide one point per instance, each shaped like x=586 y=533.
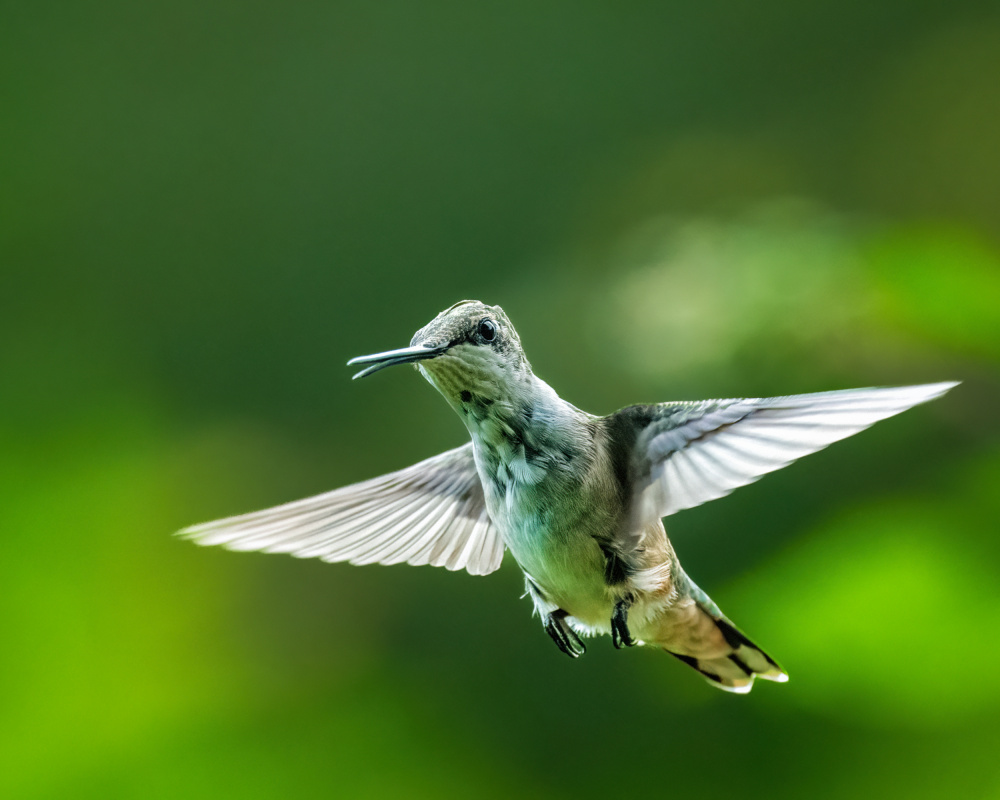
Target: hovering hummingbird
x=578 y=499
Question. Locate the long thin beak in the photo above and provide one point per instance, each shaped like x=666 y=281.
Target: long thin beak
x=405 y=355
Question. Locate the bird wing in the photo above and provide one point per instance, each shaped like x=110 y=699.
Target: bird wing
x=433 y=512
x=686 y=454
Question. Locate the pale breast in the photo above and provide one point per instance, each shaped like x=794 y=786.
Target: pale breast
x=548 y=525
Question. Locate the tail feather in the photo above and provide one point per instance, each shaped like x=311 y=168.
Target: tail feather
x=749 y=654
x=696 y=632
x=736 y=670
x=735 y=661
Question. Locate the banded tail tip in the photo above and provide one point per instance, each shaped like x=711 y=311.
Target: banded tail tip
x=736 y=670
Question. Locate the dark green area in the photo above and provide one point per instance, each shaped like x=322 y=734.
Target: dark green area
x=207 y=208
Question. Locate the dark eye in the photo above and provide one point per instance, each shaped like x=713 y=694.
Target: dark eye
x=488 y=330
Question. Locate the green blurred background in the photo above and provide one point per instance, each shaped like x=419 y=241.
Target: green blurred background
x=207 y=207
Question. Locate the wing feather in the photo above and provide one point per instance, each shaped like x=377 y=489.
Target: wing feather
x=433 y=512
x=689 y=453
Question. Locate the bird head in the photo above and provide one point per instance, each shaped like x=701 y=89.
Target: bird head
x=469 y=352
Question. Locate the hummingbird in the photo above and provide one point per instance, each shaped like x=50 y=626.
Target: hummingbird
x=577 y=499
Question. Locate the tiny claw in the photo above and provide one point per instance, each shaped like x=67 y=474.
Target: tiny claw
x=620 y=634
x=563 y=635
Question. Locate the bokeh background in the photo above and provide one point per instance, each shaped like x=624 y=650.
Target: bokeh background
x=207 y=207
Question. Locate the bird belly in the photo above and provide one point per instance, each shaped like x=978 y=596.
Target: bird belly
x=549 y=518
x=567 y=567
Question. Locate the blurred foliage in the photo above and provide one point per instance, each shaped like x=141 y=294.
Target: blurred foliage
x=206 y=208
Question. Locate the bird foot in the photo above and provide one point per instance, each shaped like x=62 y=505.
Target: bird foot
x=562 y=634
x=620 y=634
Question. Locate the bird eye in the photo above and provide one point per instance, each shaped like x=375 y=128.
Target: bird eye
x=488 y=330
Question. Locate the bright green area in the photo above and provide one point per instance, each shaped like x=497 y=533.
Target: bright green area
x=206 y=208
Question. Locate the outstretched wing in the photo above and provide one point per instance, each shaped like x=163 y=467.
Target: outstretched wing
x=431 y=513
x=686 y=454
